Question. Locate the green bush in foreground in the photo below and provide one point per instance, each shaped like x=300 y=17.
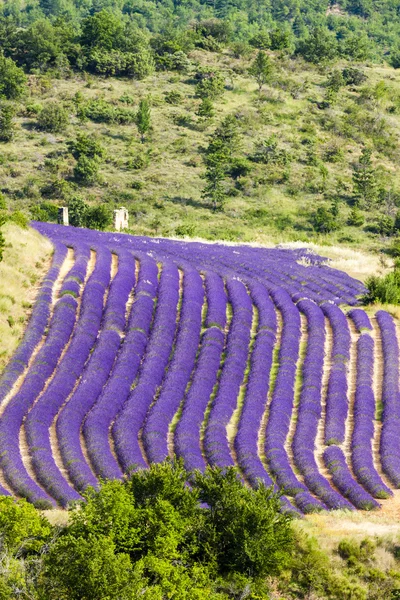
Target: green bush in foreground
x=155 y=538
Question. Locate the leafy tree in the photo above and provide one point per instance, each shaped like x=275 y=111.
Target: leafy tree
x=336 y=80
x=143 y=118
x=364 y=179
x=86 y=169
x=53 y=118
x=324 y=220
x=248 y=535
x=12 y=79
x=98 y=217
x=320 y=46
x=356 y=218
x=7 y=128
x=353 y=76
x=77 y=209
x=261 y=69
x=86 y=145
x=102 y=30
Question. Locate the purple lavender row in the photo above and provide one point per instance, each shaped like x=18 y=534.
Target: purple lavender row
x=390 y=437
x=60 y=330
x=131 y=418
x=69 y=369
x=155 y=430
x=364 y=411
x=336 y=398
x=95 y=375
x=187 y=433
x=281 y=407
x=76 y=275
x=360 y=319
x=97 y=424
x=309 y=411
x=215 y=438
x=335 y=462
x=36 y=326
x=316 y=281
x=246 y=440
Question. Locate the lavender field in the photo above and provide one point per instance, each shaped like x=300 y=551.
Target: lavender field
x=143 y=348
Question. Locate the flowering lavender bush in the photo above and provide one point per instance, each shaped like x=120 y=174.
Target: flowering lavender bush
x=196 y=350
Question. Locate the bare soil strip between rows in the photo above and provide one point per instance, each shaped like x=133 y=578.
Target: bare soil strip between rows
x=351 y=393
x=320 y=439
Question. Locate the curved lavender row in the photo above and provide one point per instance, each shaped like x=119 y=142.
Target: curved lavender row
x=364 y=411
x=130 y=420
x=390 y=437
x=336 y=399
x=215 y=438
x=36 y=326
x=315 y=281
x=281 y=407
x=69 y=369
x=60 y=330
x=360 y=319
x=155 y=429
x=95 y=375
x=11 y=421
x=187 y=433
x=98 y=421
x=309 y=411
x=246 y=441
x=342 y=478
x=76 y=275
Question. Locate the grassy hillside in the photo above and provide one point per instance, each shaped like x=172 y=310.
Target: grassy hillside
x=161 y=180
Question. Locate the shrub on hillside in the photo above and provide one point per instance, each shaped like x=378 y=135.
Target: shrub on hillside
x=384 y=289
x=53 y=118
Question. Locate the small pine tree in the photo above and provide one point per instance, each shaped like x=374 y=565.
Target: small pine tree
x=206 y=109
x=261 y=69
x=364 y=179
x=2 y=239
x=143 y=118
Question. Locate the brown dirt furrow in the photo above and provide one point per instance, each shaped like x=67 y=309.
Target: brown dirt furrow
x=320 y=439
x=352 y=383
x=297 y=392
x=274 y=371
x=377 y=387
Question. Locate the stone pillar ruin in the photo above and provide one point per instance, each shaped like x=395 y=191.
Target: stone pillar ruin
x=63 y=218
x=121 y=217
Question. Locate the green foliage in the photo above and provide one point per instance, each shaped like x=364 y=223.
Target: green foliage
x=143 y=118
x=384 y=289
x=356 y=218
x=354 y=76
x=267 y=152
x=319 y=46
x=210 y=84
x=173 y=97
x=7 y=128
x=101 y=111
x=53 y=118
x=261 y=69
x=98 y=217
x=12 y=79
x=325 y=220
x=364 y=179
x=206 y=109
x=86 y=145
x=86 y=169
x=77 y=211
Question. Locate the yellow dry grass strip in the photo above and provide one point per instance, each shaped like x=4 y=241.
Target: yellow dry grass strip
x=26 y=260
